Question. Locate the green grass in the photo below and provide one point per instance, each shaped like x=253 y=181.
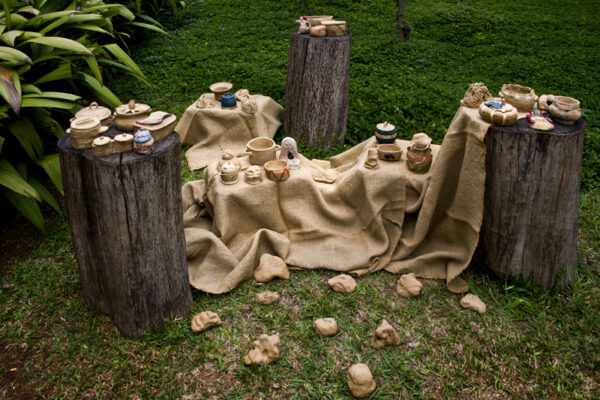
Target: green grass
x=530 y=344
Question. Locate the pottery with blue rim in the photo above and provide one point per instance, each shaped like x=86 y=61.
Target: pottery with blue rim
x=385 y=133
x=228 y=101
x=143 y=143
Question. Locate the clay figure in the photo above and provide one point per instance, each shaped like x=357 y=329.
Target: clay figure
x=342 y=283
x=385 y=133
x=253 y=175
x=289 y=153
x=271 y=267
x=205 y=320
x=227 y=155
x=242 y=94
x=476 y=94
x=304 y=25
x=249 y=105
x=384 y=335
x=473 y=302
x=325 y=326
x=267 y=297
x=538 y=121
x=360 y=381
x=265 y=350
x=409 y=285
x=371 y=161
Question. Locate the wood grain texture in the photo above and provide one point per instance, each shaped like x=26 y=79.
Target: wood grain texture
x=317 y=88
x=126 y=221
x=531 y=201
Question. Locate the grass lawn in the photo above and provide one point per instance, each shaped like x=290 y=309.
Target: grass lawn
x=530 y=344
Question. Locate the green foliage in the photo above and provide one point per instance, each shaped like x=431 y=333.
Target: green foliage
x=51 y=55
x=154 y=8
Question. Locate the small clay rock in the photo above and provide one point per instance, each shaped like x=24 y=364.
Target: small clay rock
x=342 y=283
x=385 y=335
x=458 y=285
x=205 y=320
x=473 y=302
x=360 y=380
x=267 y=297
x=265 y=350
x=476 y=94
x=409 y=286
x=271 y=267
x=325 y=326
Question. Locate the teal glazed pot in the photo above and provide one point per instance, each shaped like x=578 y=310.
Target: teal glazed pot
x=228 y=101
x=385 y=133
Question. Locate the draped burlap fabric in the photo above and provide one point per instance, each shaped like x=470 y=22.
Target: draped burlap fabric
x=210 y=130
x=366 y=220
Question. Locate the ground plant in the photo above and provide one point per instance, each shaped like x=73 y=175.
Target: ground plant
x=531 y=343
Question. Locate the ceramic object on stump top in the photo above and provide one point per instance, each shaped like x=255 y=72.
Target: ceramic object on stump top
x=389 y=152
x=476 y=94
x=84 y=130
x=360 y=380
x=265 y=350
x=565 y=110
x=289 y=153
x=334 y=28
x=229 y=172
x=127 y=114
x=277 y=170
x=160 y=124
x=385 y=133
x=304 y=25
x=418 y=154
x=219 y=89
x=260 y=150
x=538 y=121
x=143 y=143
x=123 y=143
x=371 y=161
x=318 y=19
x=94 y=110
x=498 y=113
x=521 y=97
x=318 y=30
x=102 y=146
x=228 y=102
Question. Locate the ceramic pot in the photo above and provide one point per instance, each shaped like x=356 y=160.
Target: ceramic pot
x=418 y=154
x=123 y=143
x=103 y=146
x=229 y=172
x=261 y=150
x=160 y=124
x=95 y=111
x=498 y=114
x=220 y=88
x=564 y=110
x=84 y=130
x=318 y=30
x=228 y=101
x=335 y=28
x=385 y=133
x=521 y=97
x=315 y=20
x=143 y=143
x=389 y=152
x=277 y=170
x=127 y=114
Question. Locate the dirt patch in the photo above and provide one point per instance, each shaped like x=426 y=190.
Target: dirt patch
x=206 y=381
x=14 y=381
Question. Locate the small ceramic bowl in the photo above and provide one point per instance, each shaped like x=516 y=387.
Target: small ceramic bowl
x=277 y=170
x=389 y=152
x=521 y=97
x=220 y=88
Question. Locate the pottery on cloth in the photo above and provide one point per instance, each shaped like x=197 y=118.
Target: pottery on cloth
x=261 y=150
x=160 y=124
x=95 y=111
x=418 y=154
x=335 y=28
x=229 y=172
x=522 y=97
x=385 y=133
x=228 y=101
x=143 y=143
x=277 y=170
x=371 y=161
x=84 y=130
x=249 y=105
x=289 y=153
x=389 y=152
x=498 y=114
x=103 y=146
x=314 y=20
x=206 y=101
x=564 y=110
x=220 y=88
x=127 y=114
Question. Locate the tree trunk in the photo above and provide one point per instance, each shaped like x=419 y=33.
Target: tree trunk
x=317 y=90
x=402 y=24
x=531 y=201
x=126 y=221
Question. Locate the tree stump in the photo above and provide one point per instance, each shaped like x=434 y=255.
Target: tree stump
x=531 y=202
x=317 y=89
x=126 y=221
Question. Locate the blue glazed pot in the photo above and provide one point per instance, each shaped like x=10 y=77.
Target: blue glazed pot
x=385 y=133
x=228 y=100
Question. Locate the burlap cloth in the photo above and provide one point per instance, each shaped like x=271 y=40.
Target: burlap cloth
x=211 y=130
x=387 y=218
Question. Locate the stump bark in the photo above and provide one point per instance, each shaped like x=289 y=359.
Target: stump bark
x=317 y=89
x=531 y=201
x=126 y=221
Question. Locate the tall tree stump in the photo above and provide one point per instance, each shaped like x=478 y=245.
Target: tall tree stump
x=317 y=89
x=126 y=221
x=531 y=201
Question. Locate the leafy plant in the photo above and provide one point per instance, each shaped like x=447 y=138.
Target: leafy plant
x=154 y=7
x=53 y=53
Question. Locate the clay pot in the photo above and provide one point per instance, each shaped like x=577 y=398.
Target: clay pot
x=143 y=143
x=318 y=30
x=389 y=152
x=277 y=170
x=127 y=114
x=219 y=89
x=84 y=130
x=160 y=124
x=385 y=133
x=505 y=115
x=261 y=150
x=103 y=146
x=522 y=97
x=228 y=101
x=335 y=28
x=564 y=110
x=418 y=154
x=317 y=19
x=95 y=111
x=123 y=143
x=229 y=172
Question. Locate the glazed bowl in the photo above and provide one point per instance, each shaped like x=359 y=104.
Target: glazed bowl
x=389 y=152
x=220 y=88
x=277 y=170
x=521 y=97
x=261 y=150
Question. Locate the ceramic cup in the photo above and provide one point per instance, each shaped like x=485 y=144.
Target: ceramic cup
x=261 y=150
x=277 y=170
x=389 y=152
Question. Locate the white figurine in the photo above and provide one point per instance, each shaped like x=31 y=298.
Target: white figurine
x=289 y=153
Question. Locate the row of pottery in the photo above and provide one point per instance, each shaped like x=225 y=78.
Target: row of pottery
x=418 y=154
x=226 y=100
x=321 y=25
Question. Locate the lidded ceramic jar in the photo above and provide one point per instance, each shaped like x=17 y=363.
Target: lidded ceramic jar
x=95 y=111
x=521 y=97
x=228 y=101
x=103 y=146
x=84 y=130
x=127 y=114
x=418 y=154
x=143 y=143
x=385 y=133
x=229 y=172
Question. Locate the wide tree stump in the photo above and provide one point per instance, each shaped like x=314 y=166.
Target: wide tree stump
x=317 y=89
x=126 y=221
x=531 y=200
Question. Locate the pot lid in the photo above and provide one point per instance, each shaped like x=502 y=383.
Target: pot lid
x=124 y=137
x=94 y=110
x=101 y=141
x=85 y=123
x=386 y=128
x=420 y=141
x=229 y=167
x=142 y=136
x=132 y=108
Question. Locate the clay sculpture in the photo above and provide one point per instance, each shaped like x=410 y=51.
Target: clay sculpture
x=325 y=326
x=249 y=105
x=271 y=267
x=385 y=133
x=123 y=143
x=229 y=172
x=538 y=121
x=389 y=152
x=304 y=25
x=227 y=155
x=102 y=146
x=253 y=175
x=385 y=335
x=228 y=102
x=409 y=286
x=473 y=302
x=317 y=19
x=267 y=297
x=334 y=28
x=371 y=161
x=342 y=283
x=84 y=130
x=289 y=153
x=277 y=170
x=204 y=321
x=206 y=101
x=476 y=94
x=265 y=350
x=360 y=381
x=260 y=150
x=242 y=94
